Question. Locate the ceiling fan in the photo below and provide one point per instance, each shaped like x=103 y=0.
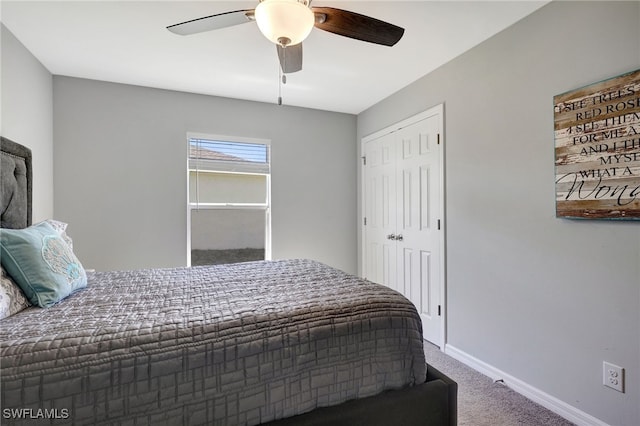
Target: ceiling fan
x=288 y=22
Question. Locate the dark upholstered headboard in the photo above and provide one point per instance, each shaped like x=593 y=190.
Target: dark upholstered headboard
x=15 y=185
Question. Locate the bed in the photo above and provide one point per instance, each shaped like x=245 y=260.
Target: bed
x=288 y=342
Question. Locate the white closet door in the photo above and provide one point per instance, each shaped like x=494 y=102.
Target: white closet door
x=403 y=240
x=418 y=202
x=380 y=188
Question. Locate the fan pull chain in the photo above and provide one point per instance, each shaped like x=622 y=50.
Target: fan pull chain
x=279 y=85
x=282 y=77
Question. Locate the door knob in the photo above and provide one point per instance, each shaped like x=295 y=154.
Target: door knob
x=399 y=237
x=391 y=237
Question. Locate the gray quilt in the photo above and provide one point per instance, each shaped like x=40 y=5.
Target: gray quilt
x=219 y=345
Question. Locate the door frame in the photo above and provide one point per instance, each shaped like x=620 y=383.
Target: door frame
x=435 y=110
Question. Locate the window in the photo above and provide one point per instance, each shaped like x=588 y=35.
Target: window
x=229 y=156
x=228 y=200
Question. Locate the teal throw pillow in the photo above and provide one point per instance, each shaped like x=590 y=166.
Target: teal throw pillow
x=41 y=263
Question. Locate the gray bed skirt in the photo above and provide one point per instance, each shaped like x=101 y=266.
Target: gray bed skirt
x=432 y=403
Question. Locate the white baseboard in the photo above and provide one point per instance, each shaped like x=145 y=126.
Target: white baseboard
x=552 y=403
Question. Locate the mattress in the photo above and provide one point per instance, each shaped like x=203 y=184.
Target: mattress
x=218 y=345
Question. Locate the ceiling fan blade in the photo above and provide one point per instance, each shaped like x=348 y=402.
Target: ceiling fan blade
x=213 y=22
x=359 y=27
x=290 y=58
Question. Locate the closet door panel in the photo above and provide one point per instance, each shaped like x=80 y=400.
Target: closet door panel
x=380 y=205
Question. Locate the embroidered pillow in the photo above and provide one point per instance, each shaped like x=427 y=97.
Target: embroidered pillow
x=41 y=263
x=12 y=299
x=61 y=228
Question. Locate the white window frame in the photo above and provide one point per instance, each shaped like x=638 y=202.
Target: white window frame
x=225 y=167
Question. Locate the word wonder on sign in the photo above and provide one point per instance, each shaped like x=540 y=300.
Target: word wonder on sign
x=597 y=144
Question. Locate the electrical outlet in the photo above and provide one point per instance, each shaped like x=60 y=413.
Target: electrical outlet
x=613 y=376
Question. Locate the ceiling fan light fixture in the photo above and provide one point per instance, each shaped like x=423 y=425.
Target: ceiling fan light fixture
x=285 y=22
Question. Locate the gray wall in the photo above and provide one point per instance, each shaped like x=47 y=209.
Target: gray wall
x=110 y=138
x=545 y=300
x=27 y=115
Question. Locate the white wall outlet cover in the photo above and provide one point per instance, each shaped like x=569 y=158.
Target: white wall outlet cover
x=613 y=376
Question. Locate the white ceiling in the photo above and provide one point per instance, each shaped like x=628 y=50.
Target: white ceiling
x=127 y=42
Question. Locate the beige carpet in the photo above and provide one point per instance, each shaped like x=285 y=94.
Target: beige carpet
x=481 y=402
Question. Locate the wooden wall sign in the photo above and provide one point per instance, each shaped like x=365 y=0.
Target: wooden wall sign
x=597 y=144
